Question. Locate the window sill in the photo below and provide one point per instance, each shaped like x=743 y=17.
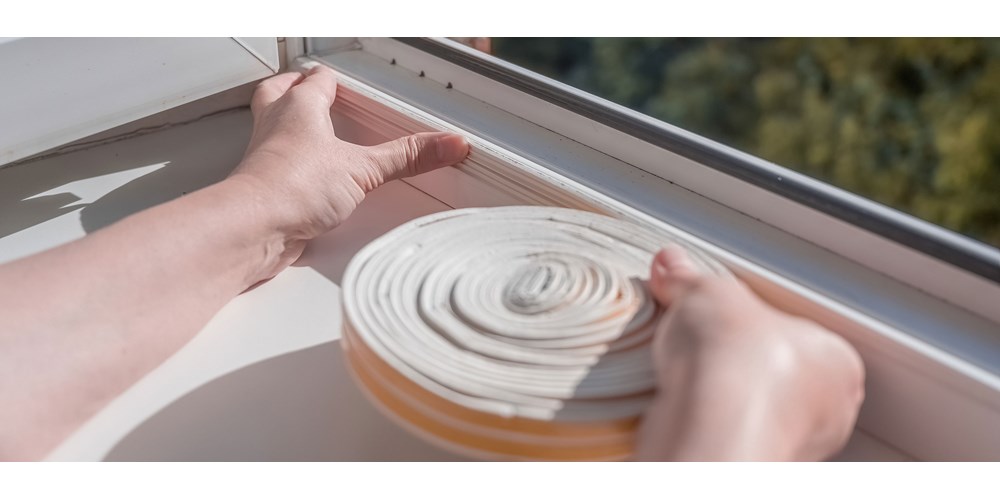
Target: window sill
x=264 y=380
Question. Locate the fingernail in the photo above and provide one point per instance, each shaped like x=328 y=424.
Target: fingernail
x=452 y=148
x=660 y=265
x=673 y=249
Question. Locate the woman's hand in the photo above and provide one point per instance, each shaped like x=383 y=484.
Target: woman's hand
x=740 y=380
x=312 y=180
x=89 y=318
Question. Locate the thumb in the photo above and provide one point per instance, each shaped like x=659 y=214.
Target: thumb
x=672 y=274
x=418 y=153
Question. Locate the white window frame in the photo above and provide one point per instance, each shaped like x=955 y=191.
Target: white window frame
x=924 y=317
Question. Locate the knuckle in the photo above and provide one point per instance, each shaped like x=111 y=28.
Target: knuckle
x=374 y=164
x=264 y=85
x=298 y=93
x=411 y=152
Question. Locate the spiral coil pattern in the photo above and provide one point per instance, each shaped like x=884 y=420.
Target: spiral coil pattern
x=513 y=332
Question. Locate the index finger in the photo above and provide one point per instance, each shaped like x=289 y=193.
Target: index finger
x=322 y=82
x=272 y=89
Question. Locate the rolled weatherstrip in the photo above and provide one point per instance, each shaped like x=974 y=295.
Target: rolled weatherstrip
x=511 y=332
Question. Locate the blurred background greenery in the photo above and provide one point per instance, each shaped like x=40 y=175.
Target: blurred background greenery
x=913 y=123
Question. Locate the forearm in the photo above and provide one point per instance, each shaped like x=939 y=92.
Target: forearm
x=82 y=322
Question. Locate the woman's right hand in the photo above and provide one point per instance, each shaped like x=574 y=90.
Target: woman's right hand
x=741 y=380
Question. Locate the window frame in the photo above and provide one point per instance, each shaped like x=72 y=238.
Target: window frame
x=929 y=339
x=931 y=239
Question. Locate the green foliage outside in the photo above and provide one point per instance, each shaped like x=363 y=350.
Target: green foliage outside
x=911 y=123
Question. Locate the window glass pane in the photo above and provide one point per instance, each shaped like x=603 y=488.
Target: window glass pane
x=911 y=123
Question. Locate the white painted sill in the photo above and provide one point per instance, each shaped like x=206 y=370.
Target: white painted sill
x=59 y=90
x=265 y=379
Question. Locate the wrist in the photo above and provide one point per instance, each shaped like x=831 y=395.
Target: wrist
x=263 y=225
x=736 y=423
